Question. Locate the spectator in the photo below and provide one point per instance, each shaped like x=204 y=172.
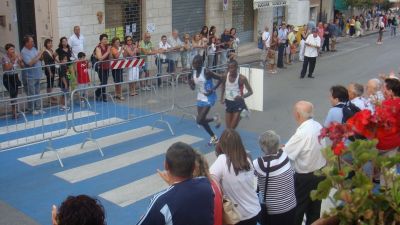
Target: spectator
x=234 y=39
x=352 y=30
x=176 y=44
x=339 y=97
x=146 y=48
x=189 y=200
x=293 y=51
x=186 y=52
x=304 y=151
x=393 y=26
x=275 y=182
x=163 y=49
x=225 y=46
x=198 y=46
x=374 y=92
x=202 y=170
x=103 y=51
x=326 y=37
x=291 y=39
x=204 y=34
x=11 y=61
x=117 y=52
x=313 y=43
x=83 y=79
x=31 y=77
x=356 y=92
x=358 y=27
x=81 y=209
x=334 y=32
x=389 y=143
x=63 y=49
x=211 y=52
x=233 y=169
x=381 y=27
x=76 y=41
x=282 y=36
x=132 y=50
x=63 y=81
x=50 y=69
x=266 y=38
x=272 y=52
x=304 y=35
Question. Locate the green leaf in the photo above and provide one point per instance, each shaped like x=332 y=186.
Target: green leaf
x=322 y=191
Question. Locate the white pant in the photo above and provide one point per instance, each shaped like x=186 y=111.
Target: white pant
x=301 y=51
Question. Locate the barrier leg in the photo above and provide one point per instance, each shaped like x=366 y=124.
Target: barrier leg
x=90 y=138
x=161 y=120
x=49 y=147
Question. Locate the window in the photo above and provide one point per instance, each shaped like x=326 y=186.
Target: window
x=3 y=21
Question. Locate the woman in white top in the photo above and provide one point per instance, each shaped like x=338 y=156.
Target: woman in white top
x=232 y=94
x=234 y=170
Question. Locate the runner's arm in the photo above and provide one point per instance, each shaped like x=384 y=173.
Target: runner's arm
x=247 y=85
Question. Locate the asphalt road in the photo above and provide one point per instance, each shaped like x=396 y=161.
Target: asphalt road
x=355 y=61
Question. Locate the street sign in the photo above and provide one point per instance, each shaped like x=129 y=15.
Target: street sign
x=257 y=4
x=225 y=5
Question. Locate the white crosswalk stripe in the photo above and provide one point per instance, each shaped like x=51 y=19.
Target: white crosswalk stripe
x=43 y=122
x=87 y=171
x=74 y=150
x=57 y=133
x=140 y=189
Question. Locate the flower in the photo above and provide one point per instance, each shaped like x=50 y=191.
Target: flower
x=338 y=148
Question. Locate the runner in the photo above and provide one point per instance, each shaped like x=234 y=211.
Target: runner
x=232 y=94
x=206 y=95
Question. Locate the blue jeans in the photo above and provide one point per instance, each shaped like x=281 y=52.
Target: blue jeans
x=32 y=88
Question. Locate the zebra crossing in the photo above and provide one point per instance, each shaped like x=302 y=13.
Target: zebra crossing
x=124 y=180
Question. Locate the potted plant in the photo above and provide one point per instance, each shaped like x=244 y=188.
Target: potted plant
x=350 y=168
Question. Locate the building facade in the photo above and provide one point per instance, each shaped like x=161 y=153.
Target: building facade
x=56 y=18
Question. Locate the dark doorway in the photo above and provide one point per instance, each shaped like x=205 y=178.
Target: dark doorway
x=26 y=19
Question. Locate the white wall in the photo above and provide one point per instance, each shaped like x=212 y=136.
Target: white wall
x=81 y=13
x=298 y=12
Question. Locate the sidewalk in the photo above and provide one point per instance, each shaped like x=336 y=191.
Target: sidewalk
x=248 y=52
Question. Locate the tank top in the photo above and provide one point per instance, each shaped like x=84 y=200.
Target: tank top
x=232 y=89
x=203 y=86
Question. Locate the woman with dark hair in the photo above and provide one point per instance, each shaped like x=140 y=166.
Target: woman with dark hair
x=117 y=52
x=102 y=53
x=11 y=61
x=206 y=97
x=49 y=61
x=234 y=170
x=232 y=94
x=81 y=209
x=63 y=49
x=204 y=33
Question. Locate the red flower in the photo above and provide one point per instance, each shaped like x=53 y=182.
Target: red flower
x=339 y=148
x=341 y=173
x=362 y=123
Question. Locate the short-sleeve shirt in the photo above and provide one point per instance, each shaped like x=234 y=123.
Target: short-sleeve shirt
x=188 y=202
x=82 y=70
x=239 y=188
x=335 y=114
x=174 y=43
x=27 y=56
x=146 y=46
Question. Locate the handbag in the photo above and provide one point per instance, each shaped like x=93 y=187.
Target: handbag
x=262 y=218
x=230 y=214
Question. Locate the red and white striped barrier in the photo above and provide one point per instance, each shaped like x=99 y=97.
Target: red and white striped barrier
x=126 y=63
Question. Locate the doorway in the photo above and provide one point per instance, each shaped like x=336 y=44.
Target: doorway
x=26 y=20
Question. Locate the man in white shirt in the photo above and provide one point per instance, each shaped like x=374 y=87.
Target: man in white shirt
x=265 y=36
x=176 y=45
x=356 y=92
x=304 y=152
x=313 y=43
x=76 y=41
x=162 y=58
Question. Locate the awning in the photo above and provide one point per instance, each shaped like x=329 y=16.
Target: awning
x=257 y=4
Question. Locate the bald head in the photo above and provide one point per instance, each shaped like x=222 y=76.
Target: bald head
x=373 y=86
x=303 y=111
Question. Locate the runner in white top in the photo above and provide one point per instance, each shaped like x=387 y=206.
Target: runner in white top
x=232 y=94
x=206 y=97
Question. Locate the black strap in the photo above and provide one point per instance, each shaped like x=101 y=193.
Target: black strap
x=260 y=162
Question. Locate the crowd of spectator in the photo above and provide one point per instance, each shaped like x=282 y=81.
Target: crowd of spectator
x=69 y=59
x=285 y=173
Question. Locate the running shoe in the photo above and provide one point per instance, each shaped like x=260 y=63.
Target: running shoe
x=213 y=140
x=245 y=113
x=217 y=120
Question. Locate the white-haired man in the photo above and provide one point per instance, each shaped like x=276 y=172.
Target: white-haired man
x=374 y=93
x=356 y=92
x=304 y=152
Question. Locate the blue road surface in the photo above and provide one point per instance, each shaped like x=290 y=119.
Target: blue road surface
x=34 y=189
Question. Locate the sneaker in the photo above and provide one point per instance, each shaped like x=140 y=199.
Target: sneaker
x=245 y=113
x=217 y=120
x=213 y=140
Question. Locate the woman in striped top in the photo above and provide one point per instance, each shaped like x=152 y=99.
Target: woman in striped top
x=276 y=175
